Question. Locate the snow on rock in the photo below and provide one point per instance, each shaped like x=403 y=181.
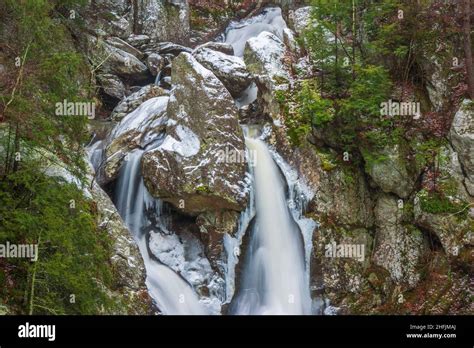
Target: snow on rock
x=264 y=56
x=133 y=132
x=217 y=46
x=229 y=69
x=184 y=254
x=300 y=19
x=203 y=124
x=134 y=100
x=187 y=146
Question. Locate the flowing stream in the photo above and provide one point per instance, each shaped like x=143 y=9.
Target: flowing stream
x=273 y=280
x=170 y=292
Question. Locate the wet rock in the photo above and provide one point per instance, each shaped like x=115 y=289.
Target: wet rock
x=155 y=63
x=213 y=225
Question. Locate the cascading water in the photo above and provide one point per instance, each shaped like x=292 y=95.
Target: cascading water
x=171 y=293
x=238 y=33
x=273 y=280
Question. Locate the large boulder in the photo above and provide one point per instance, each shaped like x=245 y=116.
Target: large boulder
x=188 y=169
x=462 y=138
x=264 y=56
x=399 y=247
x=113 y=60
x=230 y=70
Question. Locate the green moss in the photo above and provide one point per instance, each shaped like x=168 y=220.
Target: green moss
x=203 y=189
x=438 y=203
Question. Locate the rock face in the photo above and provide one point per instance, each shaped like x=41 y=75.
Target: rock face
x=163 y=20
x=392 y=171
x=454 y=228
x=127 y=260
x=230 y=70
x=264 y=56
x=189 y=169
x=398 y=247
x=300 y=19
x=160 y=20
x=129 y=288
x=462 y=137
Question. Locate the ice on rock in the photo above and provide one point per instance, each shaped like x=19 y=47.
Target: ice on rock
x=188 y=144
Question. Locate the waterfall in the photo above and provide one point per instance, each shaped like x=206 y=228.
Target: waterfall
x=274 y=279
x=170 y=292
x=237 y=33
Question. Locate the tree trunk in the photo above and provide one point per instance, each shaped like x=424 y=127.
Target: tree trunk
x=467 y=45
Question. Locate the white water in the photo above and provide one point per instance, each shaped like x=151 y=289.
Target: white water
x=238 y=33
x=273 y=280
x=170 y=292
